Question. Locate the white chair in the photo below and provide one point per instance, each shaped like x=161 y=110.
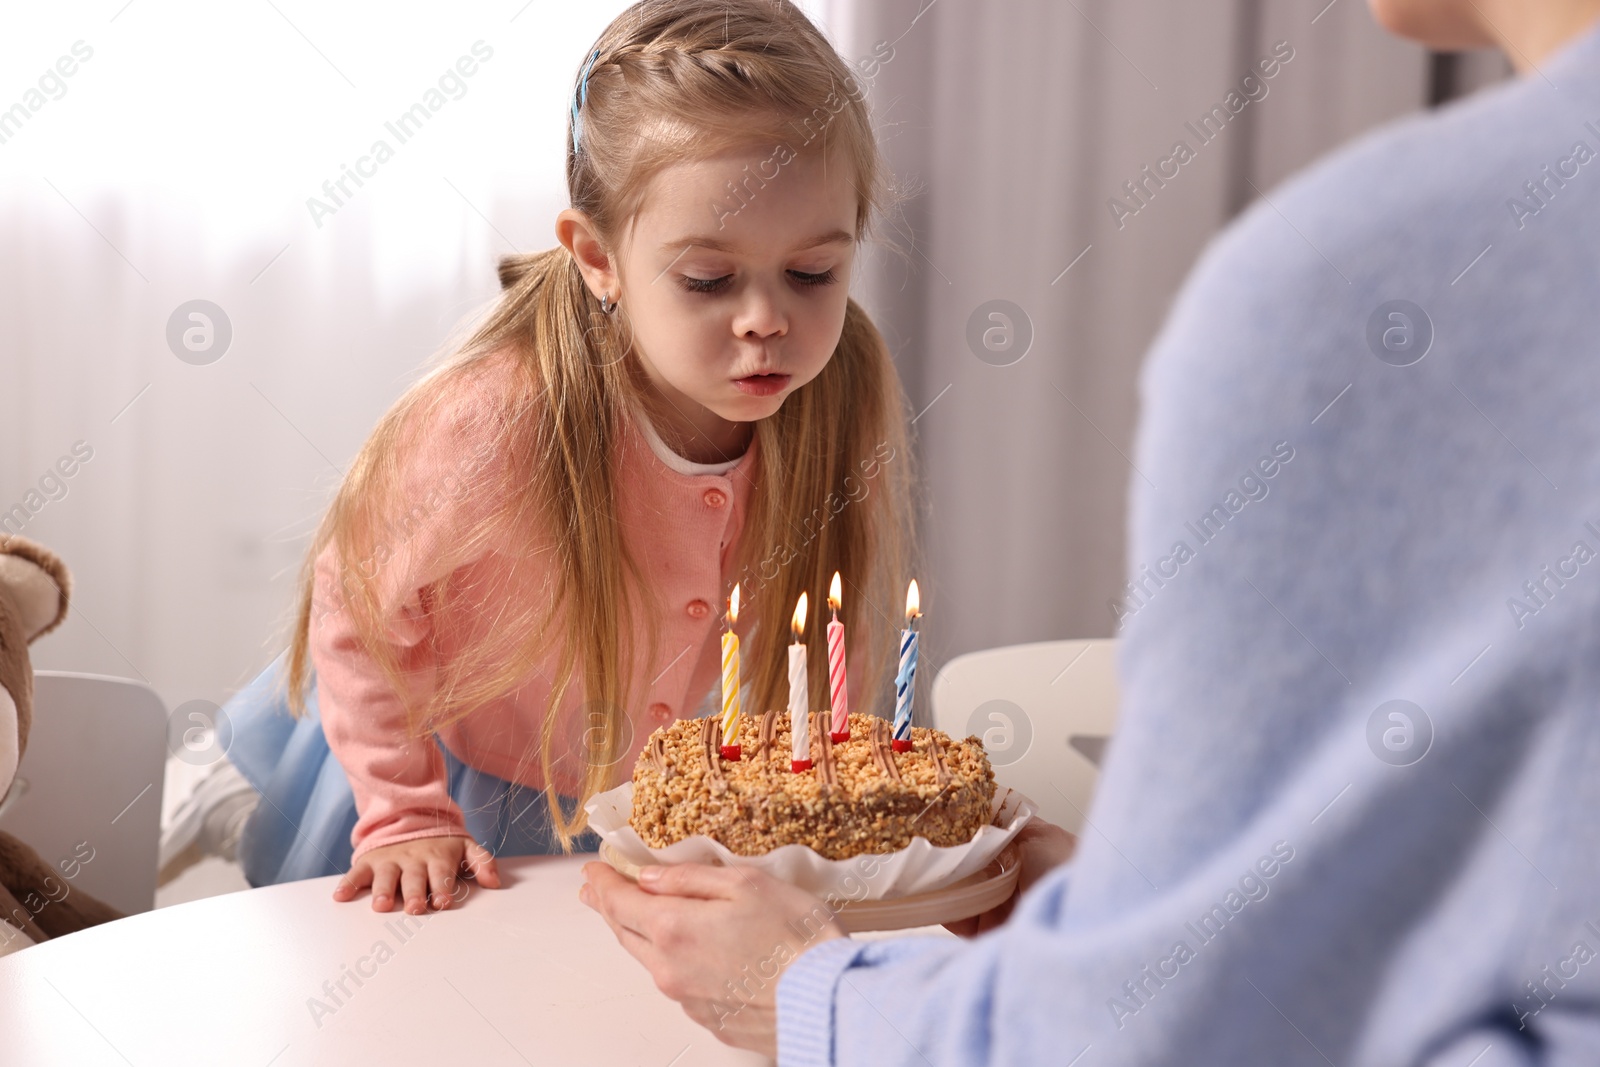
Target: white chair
x=1045 y=713
x=90 y=785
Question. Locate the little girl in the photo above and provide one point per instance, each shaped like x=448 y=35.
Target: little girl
x=526 y=567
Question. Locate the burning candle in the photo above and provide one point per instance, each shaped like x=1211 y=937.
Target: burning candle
x=836 y=683
x=730 y=682
x=905 y=683
x=799 y=695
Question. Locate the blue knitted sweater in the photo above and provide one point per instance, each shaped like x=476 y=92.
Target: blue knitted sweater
x=1351 y=815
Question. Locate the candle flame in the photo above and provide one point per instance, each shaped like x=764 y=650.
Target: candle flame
x=835 y=595
x=733 y=606
x=799 y=624
x=913 y=601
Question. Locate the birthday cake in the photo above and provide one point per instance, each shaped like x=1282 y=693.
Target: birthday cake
x=858 y=796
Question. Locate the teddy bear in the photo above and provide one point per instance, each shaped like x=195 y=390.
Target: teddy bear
x=35 y=901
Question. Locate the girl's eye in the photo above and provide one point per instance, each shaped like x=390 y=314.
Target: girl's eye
x=706 y=285
x=716 y=285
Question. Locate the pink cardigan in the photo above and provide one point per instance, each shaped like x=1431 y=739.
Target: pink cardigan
x=683 y=529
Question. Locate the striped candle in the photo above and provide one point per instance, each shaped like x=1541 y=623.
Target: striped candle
x=837 y=688
x=905 y=682
x=799 y=695
x=730 y=682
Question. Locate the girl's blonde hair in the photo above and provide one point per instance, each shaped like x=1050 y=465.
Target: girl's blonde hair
x=673 y=81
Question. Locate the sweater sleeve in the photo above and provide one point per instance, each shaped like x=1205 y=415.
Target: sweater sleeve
x=940 y=1002
x=399 y=781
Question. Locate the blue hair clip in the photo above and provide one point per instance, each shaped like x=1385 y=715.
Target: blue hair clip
x=578 y=98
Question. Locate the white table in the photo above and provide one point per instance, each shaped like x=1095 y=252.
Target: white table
x=520 y=975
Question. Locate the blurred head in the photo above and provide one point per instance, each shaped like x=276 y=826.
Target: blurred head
x=1525 y=30
x=1442 y=25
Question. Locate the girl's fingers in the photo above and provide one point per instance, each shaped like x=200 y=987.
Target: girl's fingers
x=421 y=874
x=481 y=865
x=384 y=877
x=414 y=886
x=356 y=878
x=442 y=881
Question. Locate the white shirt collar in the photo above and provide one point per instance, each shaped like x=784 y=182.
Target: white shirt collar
x=672 y=459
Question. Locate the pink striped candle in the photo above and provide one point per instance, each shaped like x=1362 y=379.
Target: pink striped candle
x=836 y=680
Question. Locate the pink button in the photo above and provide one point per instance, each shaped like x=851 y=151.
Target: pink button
x=715 y=498
x=698 y=609
x=661 y=712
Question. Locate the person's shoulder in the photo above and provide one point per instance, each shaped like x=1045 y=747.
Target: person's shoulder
x=1401 y=210
x=486 y=381
x=462 y=419
x=473 y=395
x=1427 y=167
x=1410 y=196
x=1285 y=290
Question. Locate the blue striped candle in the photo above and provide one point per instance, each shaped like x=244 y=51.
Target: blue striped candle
x=905 y=683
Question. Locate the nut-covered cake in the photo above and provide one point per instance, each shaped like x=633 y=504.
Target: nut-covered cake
x=858 y=796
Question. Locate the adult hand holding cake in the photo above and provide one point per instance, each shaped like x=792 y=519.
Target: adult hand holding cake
x=700 y=930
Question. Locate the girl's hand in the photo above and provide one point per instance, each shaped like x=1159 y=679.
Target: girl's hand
x=1044 y=846
x=424 y=869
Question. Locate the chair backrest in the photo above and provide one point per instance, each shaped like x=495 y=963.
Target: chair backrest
x=90 y=785
x=1045 y=713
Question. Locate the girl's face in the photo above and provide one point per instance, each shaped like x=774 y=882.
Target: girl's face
x=734 y=303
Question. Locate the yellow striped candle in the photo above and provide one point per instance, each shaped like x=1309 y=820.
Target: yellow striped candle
x=730 y=682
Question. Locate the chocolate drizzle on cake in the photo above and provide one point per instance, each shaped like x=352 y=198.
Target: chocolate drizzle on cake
x=941 y=772
x=822 y=749
x=658 y=756
x=769 y=733
x=882 y=751
x=710 y=745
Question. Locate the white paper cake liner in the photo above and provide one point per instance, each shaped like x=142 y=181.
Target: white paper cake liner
x=920 y=867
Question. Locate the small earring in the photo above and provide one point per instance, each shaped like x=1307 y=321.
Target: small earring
x=606 y=306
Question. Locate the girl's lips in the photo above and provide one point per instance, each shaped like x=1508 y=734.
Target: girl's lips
x=762 y=384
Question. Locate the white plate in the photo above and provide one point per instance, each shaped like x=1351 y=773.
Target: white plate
x=972 y=895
